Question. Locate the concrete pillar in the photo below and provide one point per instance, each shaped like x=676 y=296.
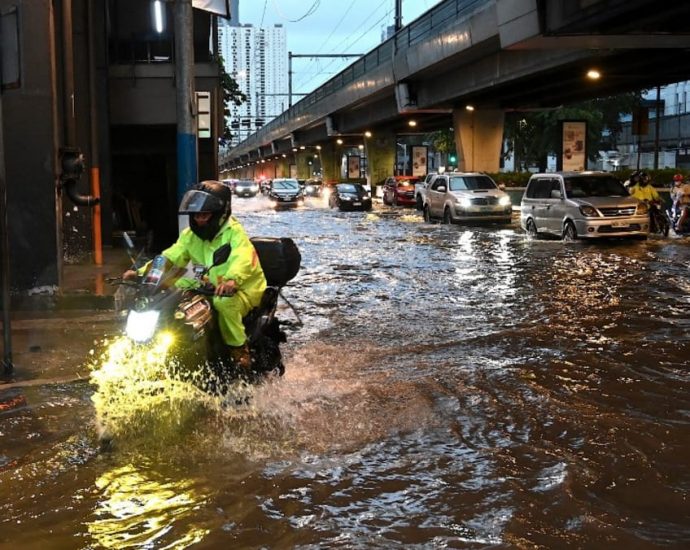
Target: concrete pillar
x=282 y=168
x=330 y=161
x=302 y=158
x=478 y=138
x=380 y=152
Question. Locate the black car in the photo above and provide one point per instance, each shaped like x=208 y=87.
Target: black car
x=350 y=196
x=246 y=188
x=285 y=193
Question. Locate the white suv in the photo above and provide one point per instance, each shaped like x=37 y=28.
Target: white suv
x=575 y=205
x=420 y=190
x=466 y=196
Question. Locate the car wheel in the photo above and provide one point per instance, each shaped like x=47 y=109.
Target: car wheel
x=447 y=219
x=569 y=232
x=427 y=214
x=419 y=204
x=531 y=229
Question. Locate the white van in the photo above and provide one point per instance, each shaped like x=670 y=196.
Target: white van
x=576 y=205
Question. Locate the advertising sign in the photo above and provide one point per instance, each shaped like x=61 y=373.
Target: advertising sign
x=419 y=164
x=353 y=167
x=574 y=156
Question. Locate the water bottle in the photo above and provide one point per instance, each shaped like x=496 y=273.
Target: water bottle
x=155 y=273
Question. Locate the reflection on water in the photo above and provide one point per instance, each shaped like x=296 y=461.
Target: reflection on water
x=452 y=387
x=136 y=511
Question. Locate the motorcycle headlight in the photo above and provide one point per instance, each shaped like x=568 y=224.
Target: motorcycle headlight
x=504 y=201
x=589 y=212
x=141 y=325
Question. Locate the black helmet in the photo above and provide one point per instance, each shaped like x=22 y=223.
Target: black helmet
x=208 y=196
x=636 y=177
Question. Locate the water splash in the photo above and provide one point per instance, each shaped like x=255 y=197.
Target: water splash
x=140 y=391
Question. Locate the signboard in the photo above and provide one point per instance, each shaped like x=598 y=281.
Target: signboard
x=419 y=158
x=353 y=167
x=574 y=155
x=203 y=105
x=219 y=7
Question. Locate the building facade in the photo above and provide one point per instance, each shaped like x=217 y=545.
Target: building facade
x=258 y=60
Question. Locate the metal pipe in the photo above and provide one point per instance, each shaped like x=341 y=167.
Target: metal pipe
x=7 y=365
x=95 y=157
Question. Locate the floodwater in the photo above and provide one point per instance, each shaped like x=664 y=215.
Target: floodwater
x=452 y=387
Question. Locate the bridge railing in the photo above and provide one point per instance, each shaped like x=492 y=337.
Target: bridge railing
x=426 y=25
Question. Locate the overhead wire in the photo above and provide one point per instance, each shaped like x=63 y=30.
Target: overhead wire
x=304 y=83
x=309 y=12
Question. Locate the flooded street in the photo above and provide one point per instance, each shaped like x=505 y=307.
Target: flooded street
x=452 y=387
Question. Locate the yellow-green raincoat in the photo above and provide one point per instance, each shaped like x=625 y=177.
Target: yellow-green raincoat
x=242 y=266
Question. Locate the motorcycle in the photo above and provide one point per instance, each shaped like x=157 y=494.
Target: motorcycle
x=659 y=221
x=673 y=214
x=164 y=304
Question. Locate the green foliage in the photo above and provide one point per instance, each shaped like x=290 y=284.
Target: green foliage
x=442 y=141
x=662 y=178
x=535 y=135
x=231 y=94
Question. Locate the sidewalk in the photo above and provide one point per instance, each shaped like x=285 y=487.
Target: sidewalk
x=84 y=286
x=53 y=335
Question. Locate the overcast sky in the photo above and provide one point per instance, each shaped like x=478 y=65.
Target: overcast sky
x=328 y=27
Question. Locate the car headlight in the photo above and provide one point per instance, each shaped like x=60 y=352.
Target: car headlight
x=141 y=324
x=504 y=201
x=642 y=208
x=255 y=188
x=464 y=202
x=589 y=212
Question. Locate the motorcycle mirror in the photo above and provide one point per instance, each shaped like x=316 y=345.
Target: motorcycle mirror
x=221 y=255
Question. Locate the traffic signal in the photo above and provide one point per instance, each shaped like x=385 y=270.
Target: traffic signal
x=452 y=158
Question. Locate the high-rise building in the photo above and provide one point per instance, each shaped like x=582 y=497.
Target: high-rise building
x=258 y=60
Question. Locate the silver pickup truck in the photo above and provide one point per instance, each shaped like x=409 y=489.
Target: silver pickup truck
x=420 y=190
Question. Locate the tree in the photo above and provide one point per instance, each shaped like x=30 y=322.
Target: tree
x=532 y=136
x=231 y=94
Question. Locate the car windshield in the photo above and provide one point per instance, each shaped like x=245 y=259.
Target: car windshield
x=285 y=184
x=347 y=188
x=471 y=183
x=245 y=183
x=594 y=186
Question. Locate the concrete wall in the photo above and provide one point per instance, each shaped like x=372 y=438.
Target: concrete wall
x=31 y=133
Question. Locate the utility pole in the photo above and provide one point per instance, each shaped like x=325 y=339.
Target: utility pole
x=398 y=15
x=656 y=128
x=184 y=79
x=311 y=55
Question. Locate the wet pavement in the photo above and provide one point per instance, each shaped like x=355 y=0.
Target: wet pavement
x=452 y=387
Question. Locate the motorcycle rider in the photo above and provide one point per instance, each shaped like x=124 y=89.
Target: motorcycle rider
x=681 y=204
x=240 y=281
x=642 y=189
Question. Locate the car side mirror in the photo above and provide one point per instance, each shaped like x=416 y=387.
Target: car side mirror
x=556 y=194
x=502 y=186
x=441 y=189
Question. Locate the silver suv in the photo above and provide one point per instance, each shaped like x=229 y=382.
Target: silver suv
x=466 y=196
x=575 y=205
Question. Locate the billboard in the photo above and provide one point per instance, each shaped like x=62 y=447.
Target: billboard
x=419 y=158
x=574 y=154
